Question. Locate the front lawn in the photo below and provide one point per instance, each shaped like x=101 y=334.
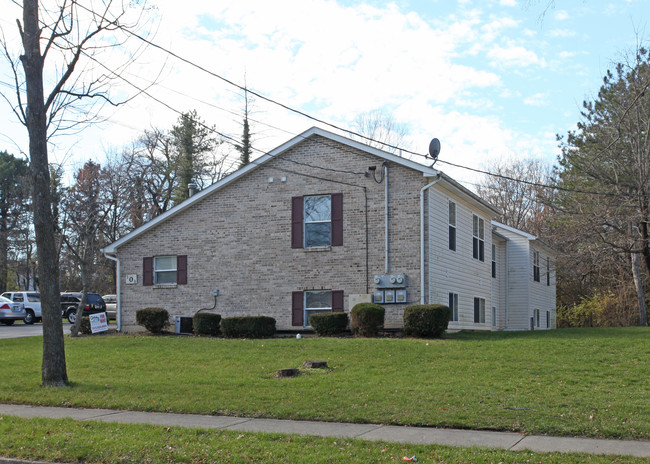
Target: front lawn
x=96 y=442
x=584 y=382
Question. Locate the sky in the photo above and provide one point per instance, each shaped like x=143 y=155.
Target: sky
x=491 y=79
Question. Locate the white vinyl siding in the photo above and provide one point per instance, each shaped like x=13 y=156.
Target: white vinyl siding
x=456 y=272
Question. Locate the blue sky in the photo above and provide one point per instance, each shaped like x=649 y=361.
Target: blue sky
x=492 y=79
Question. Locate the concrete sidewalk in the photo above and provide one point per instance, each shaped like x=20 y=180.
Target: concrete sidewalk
x=399 y=434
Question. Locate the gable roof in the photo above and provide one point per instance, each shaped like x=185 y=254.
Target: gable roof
x=530 y=237
x=427 y=171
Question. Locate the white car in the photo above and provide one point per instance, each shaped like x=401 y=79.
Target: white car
x=31 y=301
x=111 y=306
x=11 y=311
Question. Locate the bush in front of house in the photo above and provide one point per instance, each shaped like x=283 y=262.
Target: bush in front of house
x=426 y=320
x=329 y=323
x=248 y=327
x=152 y=319
x=206 y=324
x=366 y=319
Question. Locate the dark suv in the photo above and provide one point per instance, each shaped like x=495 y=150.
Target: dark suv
x=70 y=302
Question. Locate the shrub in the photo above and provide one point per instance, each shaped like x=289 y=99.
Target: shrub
x=84 y=326
x=366 y=319
x=206 y=324
x=328 y=323
x=426 y=320
x=152 y=319
x=248 y=327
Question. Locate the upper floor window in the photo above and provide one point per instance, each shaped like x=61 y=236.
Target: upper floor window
x=452 y=225
x=536 y=266
x=478 y=238
x=317 y=221
x=548 y=271
x=494 y=261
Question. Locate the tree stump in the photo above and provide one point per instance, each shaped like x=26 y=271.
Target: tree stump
x=287 y=373
x=314 y=365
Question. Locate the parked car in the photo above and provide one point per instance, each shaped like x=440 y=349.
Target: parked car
x=11 y=311
x=70 y=301
x=32 y=302
x=111 y=306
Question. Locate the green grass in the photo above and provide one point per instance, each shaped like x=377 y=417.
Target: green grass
x=96 y=442
x=586 y=382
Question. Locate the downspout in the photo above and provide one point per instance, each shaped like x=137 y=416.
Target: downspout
x=422 y=190
x=117 y=290
x=386 y=267
x=507 y=283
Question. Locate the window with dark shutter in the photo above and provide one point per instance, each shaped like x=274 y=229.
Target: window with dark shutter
x=147 y=271
x=297 y=315
x=337 y=301
x=181 y=269
x=317 y=221
x=296 y=222
x=337 y=219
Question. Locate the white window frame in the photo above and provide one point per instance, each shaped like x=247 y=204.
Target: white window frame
x=306 y=221
x=536 y=314
x=453 y=306
x=478 y=238
x=316 y=309
x=548 y=271
x=494 y=261
x=536 y=276
x=160 y=270
x=452 y=226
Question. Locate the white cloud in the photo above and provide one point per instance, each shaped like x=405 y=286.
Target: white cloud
x=514 y=56
x=562 y=33
x=538 y=99
x=561 y=15
x=508 y=2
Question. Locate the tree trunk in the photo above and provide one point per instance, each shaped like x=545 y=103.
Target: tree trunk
x=53 y=370
x=4 y=251
x=638 y=283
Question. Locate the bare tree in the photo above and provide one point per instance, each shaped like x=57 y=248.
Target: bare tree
x=84 y=219
x=68 y=38
x=515 y=188
x=380 y=130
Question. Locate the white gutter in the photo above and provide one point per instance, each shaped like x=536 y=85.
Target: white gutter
x=118 y=311
x=386 y=267
x=422 y=190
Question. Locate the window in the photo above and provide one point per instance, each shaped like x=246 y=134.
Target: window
x=494 y=316
x=317 y=221
x=18 y=297
x=494 y=261
x=548 y=319
x=537 y=318
x=34 y=297
x=164 y=270
x=536 y=266
x=452 y=225
x=478 y=239
x=479 y=310
x=548 y=271
x=314 y=301
x=453 y=306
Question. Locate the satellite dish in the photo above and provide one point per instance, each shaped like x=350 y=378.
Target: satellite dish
x=434 y=148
